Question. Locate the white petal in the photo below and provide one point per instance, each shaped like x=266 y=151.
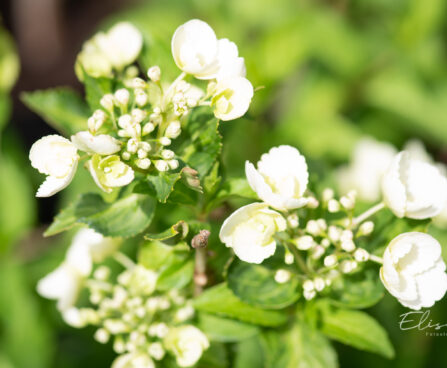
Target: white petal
x=63 y=284
x=194 y=48
x=99 y=247
x=230 y=64
x=79 y=258
x=393 y=188
x=101 y=144
x=52 y=185
x=72 y=317
x=432 y=284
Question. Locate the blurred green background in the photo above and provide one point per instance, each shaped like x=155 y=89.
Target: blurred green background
x=331 y=72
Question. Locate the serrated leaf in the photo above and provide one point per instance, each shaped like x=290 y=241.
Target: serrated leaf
x=299 y=347
x=203 y=142
x=62 y=108
x=220 y=300
x=356 y=329
x=180 y=227
x=125 y=217
x=154 y=255
x=178 y=274
x=256 y=285
x=162 y=184
x=224 y=329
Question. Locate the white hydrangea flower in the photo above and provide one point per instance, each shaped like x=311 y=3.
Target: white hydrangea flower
x=187 y=343
x=110 y=172
x=230 y=64
x=101 y=144
x=65 y=282
x=121 y=44
x=413 y=270
x=250 y=230
x=56 y=157
x=231 y=98
x=370 y=160
x=414 y=189
x=281 y=178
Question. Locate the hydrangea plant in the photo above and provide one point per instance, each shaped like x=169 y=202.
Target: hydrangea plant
x=283 y=273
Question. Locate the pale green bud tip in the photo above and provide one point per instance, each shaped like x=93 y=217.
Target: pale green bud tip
x=154 y=73
x=282 y=276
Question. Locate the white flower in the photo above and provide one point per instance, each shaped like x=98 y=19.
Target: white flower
x=413 y=270
x=231 y=98
x=65 y=282
x=121 y=44
x=250 y=230
x=370 y=160
x=194 y=48
x=56 y=157
x=414 y=189
x=133 y=360
x=281 y=178
x=110 y=172
x=101 y=144
x=187 y=343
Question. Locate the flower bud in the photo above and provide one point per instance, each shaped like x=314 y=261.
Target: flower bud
x=173 y=130
x=330 y=260
x=154 y=73
x=143 y=163
x=125 y=121
x=317 y=252
x=293 y=220
x=167 y=154
x=282 y=276
x=148 y=128
x=312 y=202
x=145 y=146
x=348 y=266
x=308 y=285
x=156 y=351
x=161 y=165
x=309 y=294
x=288 y=258
x=107 y=101
x=125 y=155
x=141 y=98
x=304 y=242
x=132 y=145
x=361 y=255
x=165 y=141
x=122 y=96
x=102 y=336
x=333 y=206
x=173 y=164
x=319 y=283
x=366 y=228
x=138 y=116
x=328 y=194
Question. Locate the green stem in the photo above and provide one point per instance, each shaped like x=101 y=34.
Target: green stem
x=298 y=259
x=373 y=210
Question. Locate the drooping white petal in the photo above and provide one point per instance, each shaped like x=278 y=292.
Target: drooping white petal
x=101 y=144
x=52 y=185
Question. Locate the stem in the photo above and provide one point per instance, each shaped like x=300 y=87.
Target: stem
x=359 y=219
x=124 y=260
x=376 y=259
x=200 y=278
x=298 y=259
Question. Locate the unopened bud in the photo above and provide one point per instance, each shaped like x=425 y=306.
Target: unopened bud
x=154 y=73
x=161 y=165
x=173 y=130
x=148 y=128
x=173 y=164
x=132 y=145
x=330 y=260
x=167 y=154
x=312 y=202
x=201 y=239
x=107 y=102
x=333 y=206
x=282 y=276
x=143 y=163
x=122 y=96
x=304 y=242
x=361 y=255
x=293 y=220
x=102 y=335
x=141 y=98
x=165 y=141
x=328 y=194
x=319 y=283
x=366 y=228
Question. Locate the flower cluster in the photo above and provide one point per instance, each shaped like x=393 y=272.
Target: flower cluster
x=132 y=131
x=324 y=237
x=143 y=323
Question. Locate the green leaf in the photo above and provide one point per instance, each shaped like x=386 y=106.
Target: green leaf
x=95 y=88
x=299 y=347
x=256 y=285
x=233 y=187
x=357 y=329
x=203 y=142
x=215 y=356
x=360 y=290
x=221 y=301
x=128 y=216
x=178 y=273
x=162 y=184
x=224 y=329
x=180 y=227
x=250 y=354
x=62 y=108
x=174 y=264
